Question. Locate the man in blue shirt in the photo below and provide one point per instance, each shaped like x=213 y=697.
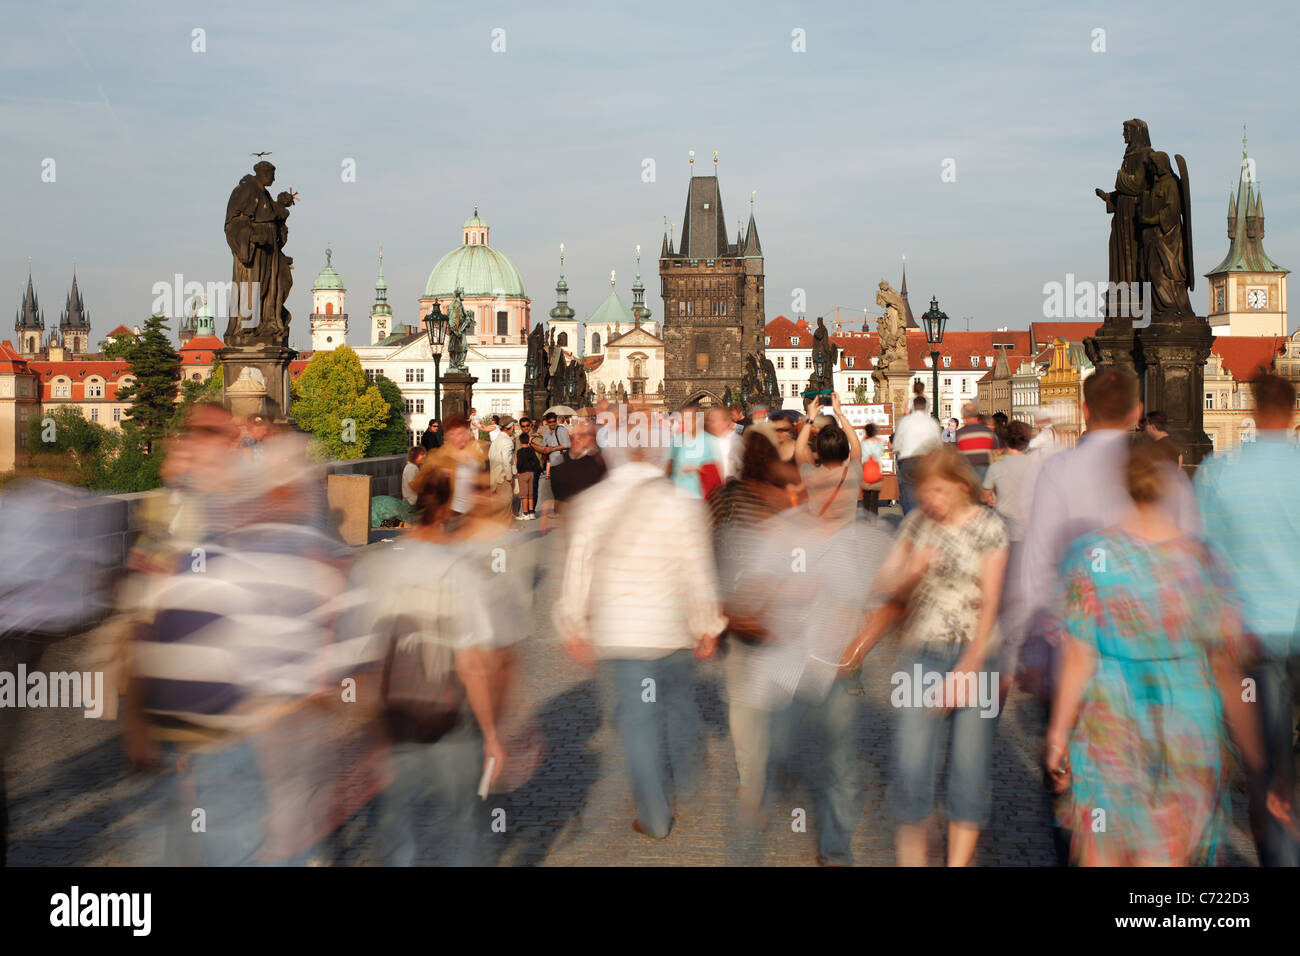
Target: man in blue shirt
x=1250 y=510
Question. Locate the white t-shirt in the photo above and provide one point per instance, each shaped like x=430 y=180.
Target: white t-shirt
x=915 y=434
x=409 y=473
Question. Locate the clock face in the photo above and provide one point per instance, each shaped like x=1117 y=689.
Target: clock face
x=1257 y=298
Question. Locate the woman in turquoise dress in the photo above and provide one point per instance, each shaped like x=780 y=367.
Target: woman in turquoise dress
x=1150 y=683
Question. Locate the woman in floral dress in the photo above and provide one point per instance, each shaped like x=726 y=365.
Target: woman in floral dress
x=1151 y=680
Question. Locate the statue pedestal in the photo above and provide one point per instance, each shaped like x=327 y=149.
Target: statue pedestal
x=457 y=393
x=894 y=387
x=256 y=380
x=1172 y=355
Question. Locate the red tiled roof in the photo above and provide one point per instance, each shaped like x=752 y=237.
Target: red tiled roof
x=297 y=365
x=593 y=362
x=208 y=342
x=79 y=372
x=780 y=330
x=11 y=361
x=1243 y=356
x=1043 y=332
x=120 y=330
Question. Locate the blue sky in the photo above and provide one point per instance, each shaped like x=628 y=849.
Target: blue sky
x=844 y=143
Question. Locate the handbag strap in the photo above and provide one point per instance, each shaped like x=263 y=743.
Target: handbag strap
x=831 y=499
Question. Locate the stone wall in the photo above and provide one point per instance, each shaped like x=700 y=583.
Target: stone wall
x=117 y=521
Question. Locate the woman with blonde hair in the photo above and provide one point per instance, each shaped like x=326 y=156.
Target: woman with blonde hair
x=942 y=583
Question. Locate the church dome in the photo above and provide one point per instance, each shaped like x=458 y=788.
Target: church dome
x=475 y=267
x=612 y=312
x=328 y=278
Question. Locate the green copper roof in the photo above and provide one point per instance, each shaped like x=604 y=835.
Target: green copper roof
x=1246 y=229
x=328 y=279
x=479 y=270
x=612 y=312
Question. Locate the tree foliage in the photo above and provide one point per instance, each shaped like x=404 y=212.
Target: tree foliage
x=333 y=402
x=156 y=369
x=391 y=439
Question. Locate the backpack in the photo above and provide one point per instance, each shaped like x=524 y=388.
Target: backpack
x=421 y=694
x=526 y=459
x=871 y=472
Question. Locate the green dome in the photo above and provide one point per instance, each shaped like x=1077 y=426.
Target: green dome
x=474 y=220
x=478 y=270
x=328 y=279
x=612 y=312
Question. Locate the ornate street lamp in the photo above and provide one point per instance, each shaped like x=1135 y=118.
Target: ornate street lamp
x=435 y=327
x=934 y=322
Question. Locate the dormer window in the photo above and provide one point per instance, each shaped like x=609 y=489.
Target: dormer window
x=947 y=361
x=974 y=361
x=794 y=340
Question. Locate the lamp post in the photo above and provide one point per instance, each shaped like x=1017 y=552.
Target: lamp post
x=934 y=322
x=435 y=327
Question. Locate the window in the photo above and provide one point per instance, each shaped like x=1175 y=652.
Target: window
x=409 y=405
x=713 y=304
x=724 y=307
x=595 y=343
x=503 y=323
x=767 y=341
x=974 y=361
x=690 y=307
x=947 y=383
x=794 y=389
x=681 y=306
x=419 y=375
x=410 y=437
x=329 y=308
x=62 y=390
x=794 y=340
x=501 y=375
x=947 y=361
x=807 y=361
x=638 y=387
x=1209 y=401
x=780 y=361
x=94 y=414
x=852 y=384
x=370 y=375
x=117 y=414
x=410 y=375
x=419 y=406
x=850 y=360
x=96 y=389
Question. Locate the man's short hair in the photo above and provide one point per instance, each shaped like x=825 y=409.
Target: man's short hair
x=919 y=404
x=969 y=410
x=1158 y=421
x=1275 y=394
x=550 y=417
x=455 y=421
x=1111 y=395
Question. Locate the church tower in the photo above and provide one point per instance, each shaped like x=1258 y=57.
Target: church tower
x=639 y=311
x=1247 y=289
x=381 y=313
x=74 y=325
x=329 y=322
x=29 y=326
x=713 y=299
x=562 y=330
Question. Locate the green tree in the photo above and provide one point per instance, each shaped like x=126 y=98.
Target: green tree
x=391 y=439
x=208 y=390
x=156 y=368
x=116 y=349
x=64 y=440
x=333 y=402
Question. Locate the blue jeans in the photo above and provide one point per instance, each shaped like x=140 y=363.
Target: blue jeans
x=830 y=722
x=907 y=484
x=645 y=713
x=968 y=798
x=227 y=786
x=448 y=771
x=1274 y=683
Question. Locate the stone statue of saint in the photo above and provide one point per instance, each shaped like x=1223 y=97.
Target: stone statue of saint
x=890 y=328
x=460 y=325
x=1166 y=236
x=1122 y=204
x=771 y=388
x=256 y=231
x=824 y=353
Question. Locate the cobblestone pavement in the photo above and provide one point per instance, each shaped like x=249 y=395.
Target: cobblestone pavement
x=73 y=802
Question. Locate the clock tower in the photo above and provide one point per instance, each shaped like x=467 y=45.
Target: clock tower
x=1247 y=289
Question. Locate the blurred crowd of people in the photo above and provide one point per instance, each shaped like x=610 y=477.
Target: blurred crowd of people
x=284 y=683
